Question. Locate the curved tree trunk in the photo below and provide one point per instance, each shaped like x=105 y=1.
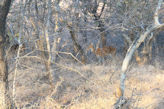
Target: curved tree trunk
x=136 y=43
x=4 y=9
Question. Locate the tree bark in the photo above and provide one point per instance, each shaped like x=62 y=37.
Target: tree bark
x=4 y=9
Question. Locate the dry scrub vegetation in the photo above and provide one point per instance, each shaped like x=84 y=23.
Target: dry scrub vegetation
x=88 y=86
x=71 y=54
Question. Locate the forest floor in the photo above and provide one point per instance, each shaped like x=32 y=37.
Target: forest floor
x=90 y=86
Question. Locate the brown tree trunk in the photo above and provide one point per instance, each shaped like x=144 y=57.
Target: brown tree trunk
x=101 y=25
x=77 y=46
x=4 y=9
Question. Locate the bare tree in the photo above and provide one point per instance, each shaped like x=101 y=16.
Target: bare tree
x=4 y=9
x=136 y=43
x=135 y=19
x=97 y=18
x=46 y=33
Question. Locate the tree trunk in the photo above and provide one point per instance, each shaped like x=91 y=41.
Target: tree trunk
x=101 y=25
x=77 y=46
x=4 y=9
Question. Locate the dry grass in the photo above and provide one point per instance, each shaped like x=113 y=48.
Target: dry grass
x=92 y=87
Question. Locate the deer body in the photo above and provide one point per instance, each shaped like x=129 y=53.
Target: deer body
x=101 y=53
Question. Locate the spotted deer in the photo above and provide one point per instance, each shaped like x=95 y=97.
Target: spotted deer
x=101 y=53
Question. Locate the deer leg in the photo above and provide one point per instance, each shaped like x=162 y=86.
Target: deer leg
x=99 y=59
